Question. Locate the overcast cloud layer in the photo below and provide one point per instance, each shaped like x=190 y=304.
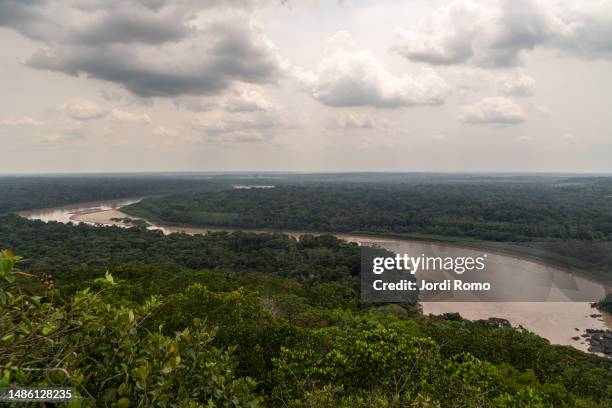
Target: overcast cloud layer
x=109 y=85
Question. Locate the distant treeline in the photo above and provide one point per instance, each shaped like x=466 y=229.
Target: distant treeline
x=19 y=193
x=571 y=209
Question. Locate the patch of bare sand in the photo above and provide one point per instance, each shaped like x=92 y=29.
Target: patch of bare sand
x=100 y=217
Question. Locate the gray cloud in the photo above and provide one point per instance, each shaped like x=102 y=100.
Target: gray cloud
x=155 y=48
x=24 y=16
x=189 y=70
x=590 y=30
x=107 y=21
x=234 y=122
x=134 y=73
x=521 y=25
x=148 y=27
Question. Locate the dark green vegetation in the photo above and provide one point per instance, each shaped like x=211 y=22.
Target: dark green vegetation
x=244 y=320
x=566 y=221
x=57 y=248
x=485 y=211
x=605 y=304
x=28 y=192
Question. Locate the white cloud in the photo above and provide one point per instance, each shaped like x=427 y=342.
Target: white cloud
x=517 y=84
x=446 y=38
x=237 y=127
x=63 y=132
x=543 y=109
x=20 y=121
x=497 y=32
x=492 y=110
x=247 y=99
x=240 y=136
x=220 y=124
x=355 y=121
x=49 y=132
x=523 y=139
x=129 y=117
x=569 y=137
x=341 y=40
x=471 y=79
x=358 y=79
x=164 y=132
x=82 y=109
x=87 y=110
x=58 y=138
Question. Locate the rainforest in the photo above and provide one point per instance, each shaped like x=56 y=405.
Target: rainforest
x=133 y=317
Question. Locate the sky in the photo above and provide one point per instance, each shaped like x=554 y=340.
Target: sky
x=350 y=85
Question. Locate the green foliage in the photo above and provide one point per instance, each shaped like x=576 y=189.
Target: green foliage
x=58 y=248
x=233 y=320
x=605 y=304
x=485 y=209
x=7 y=272
x=27 y=192
x=106 y=354
x=552 y=220
x=378 y=359
x=380 y=367
x=291 y=334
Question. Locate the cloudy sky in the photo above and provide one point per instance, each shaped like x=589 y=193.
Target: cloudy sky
x=424 y=85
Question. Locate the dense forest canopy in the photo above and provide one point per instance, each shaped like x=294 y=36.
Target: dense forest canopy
x=32 y=192
x=487 y=210
x=131 y=317
x=56 y=247
x=248 y=319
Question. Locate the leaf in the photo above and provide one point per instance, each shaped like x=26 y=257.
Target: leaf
x=124 y=403
x=140 y=372
x=109 y=278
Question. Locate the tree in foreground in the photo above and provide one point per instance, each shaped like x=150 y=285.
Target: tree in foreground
x=103 y=351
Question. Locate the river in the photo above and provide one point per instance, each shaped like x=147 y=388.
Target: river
x=559 y=322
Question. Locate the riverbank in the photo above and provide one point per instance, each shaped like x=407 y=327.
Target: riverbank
x=521 y=251
x=121 y=213
x=559 y=322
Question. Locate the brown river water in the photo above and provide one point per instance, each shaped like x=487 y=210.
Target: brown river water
x=557 y=321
